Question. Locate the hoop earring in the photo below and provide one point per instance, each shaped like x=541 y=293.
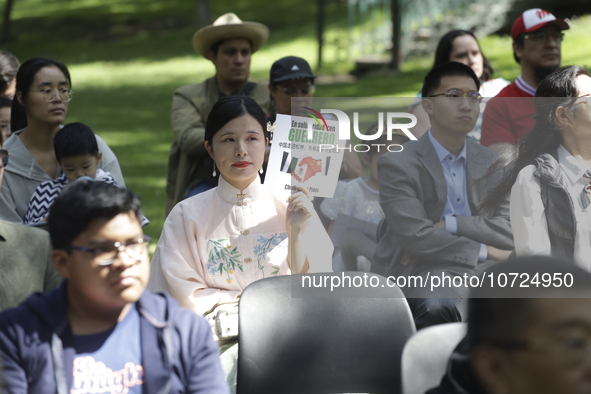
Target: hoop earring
x=214 y=172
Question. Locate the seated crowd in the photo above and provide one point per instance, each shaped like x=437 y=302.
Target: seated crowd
x=486 y=180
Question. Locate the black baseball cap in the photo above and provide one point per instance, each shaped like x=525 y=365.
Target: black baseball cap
x=290 y=67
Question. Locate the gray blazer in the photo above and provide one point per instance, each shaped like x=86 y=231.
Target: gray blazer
x=25 y=263
x=413 y=192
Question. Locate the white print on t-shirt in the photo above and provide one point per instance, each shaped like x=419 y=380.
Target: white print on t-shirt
x=91 y=376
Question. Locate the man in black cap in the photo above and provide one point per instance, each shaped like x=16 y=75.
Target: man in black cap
x=291 y=87
x=229 y=44
x=291 y=78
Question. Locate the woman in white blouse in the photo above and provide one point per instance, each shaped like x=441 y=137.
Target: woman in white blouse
x=550 y=211
x=216 y=243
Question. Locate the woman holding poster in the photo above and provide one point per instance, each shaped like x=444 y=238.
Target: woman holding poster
x=216 y=243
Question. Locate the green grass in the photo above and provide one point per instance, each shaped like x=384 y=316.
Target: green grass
x=128 y=57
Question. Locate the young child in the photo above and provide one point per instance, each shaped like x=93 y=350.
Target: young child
x=76 y=151
x=100 y=331
x=357 y=200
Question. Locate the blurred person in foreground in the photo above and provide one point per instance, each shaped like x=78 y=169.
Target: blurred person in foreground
x=526 y=340
x=100 y=331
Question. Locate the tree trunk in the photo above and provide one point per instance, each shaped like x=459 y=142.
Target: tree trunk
x=203 y=13
x=320 y=29
x=396 y=35
x=6 y=34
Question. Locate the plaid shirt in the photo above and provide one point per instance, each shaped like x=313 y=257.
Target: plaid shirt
x=47 y=192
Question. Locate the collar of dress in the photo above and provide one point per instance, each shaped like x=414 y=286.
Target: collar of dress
x=232 y=195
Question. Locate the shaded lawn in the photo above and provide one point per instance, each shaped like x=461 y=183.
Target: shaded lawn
x=128 y=57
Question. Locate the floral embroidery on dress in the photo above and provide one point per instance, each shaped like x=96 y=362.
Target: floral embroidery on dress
x=263 y=246
x=222 y=258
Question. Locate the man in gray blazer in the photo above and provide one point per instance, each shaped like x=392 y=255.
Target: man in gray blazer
x=25 y=258
x=431 y=192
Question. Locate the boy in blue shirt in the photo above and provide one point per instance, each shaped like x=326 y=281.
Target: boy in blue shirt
x=101 y=331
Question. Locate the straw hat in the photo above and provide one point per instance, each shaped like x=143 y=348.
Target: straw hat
x=229 y=26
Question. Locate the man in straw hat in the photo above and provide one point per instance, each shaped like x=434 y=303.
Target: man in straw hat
x=228 y=44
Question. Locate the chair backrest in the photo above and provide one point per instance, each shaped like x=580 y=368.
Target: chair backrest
x=425 y=356
x=346 y=340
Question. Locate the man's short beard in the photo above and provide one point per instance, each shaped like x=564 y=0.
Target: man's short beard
x=542 y=72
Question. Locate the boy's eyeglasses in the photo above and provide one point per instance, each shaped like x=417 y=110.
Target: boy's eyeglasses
x=106 y=254
x=4 y=153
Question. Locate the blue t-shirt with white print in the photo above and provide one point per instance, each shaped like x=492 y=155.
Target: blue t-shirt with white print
x=111 y=361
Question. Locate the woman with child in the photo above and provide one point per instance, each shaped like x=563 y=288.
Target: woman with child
x=77 y=153
x=40 y=106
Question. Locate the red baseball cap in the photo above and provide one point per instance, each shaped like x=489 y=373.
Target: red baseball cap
x=533 y=19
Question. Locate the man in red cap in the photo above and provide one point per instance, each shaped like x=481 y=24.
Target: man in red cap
x=229 y=44
x=537 y=36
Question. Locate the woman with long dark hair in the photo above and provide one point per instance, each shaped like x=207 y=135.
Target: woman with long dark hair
x=461 y=46
x=39 y=108
x=216 y=243
x=549 y=176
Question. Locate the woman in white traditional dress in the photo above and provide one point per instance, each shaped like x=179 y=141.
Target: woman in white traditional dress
x=216 y=243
